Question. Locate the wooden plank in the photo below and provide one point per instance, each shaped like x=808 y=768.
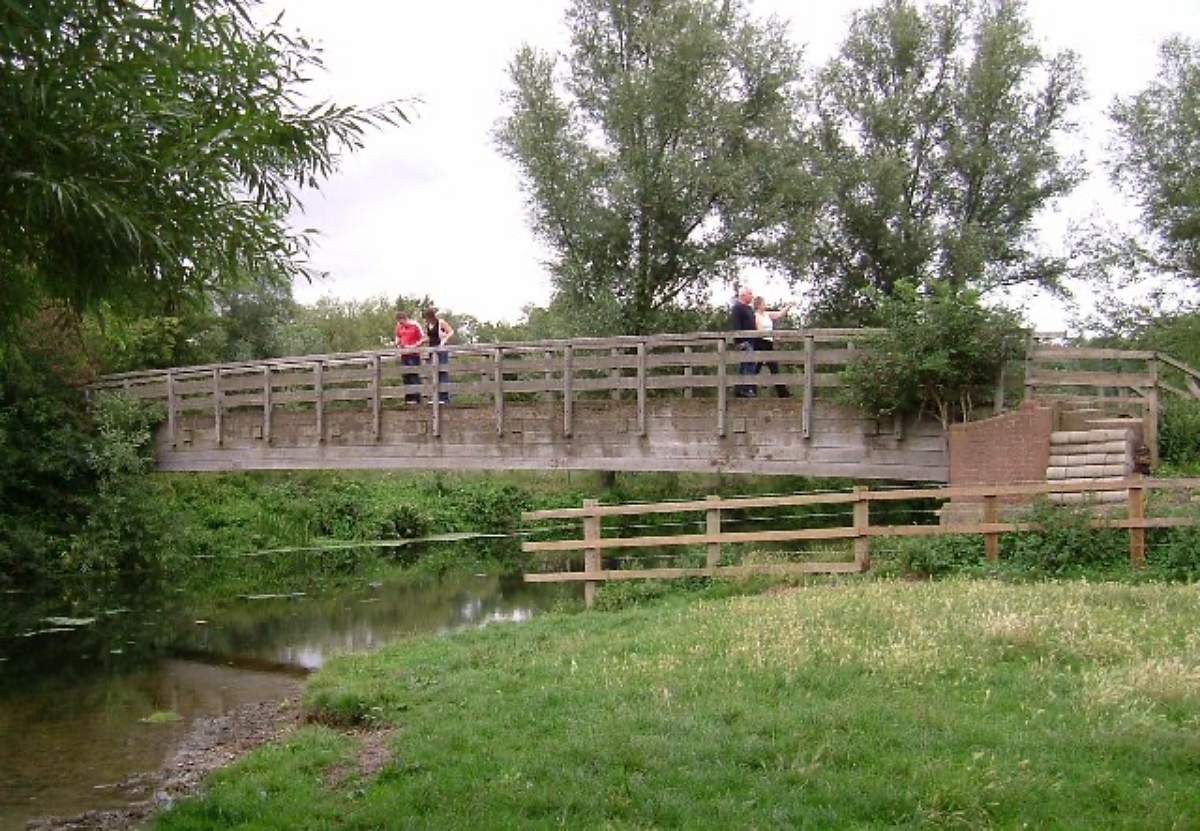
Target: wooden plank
x=376 y=397
x=1083 y=378
x=1045 y=352
x=670 y=573
x=862 y=527
x=991 y=540
x=1137 y=535
x=687 y=371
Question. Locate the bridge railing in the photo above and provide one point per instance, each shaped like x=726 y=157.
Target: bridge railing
x=569 y=373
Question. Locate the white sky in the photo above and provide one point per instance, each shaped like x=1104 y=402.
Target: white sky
x=433 y=208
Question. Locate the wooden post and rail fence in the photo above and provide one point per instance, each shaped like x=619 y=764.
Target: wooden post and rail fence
x=991 y=499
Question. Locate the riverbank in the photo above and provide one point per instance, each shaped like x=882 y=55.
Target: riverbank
x=213 y=743
x=872 y=702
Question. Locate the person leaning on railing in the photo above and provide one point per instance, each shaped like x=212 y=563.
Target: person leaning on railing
x=408 y=334
x=764 y=322
x=438 y=333
x=741 y=319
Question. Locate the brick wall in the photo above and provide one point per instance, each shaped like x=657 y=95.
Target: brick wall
x=1013 y=447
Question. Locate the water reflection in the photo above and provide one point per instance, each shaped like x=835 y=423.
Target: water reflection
x=73 y=701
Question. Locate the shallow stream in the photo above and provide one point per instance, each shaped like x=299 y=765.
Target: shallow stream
x=98 y=690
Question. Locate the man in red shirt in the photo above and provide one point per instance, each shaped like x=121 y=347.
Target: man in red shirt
x=409 y=334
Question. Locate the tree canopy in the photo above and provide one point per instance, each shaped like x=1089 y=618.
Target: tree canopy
x=152 y=150
x=664 y=156
x=1156 y=158
x=938 y=126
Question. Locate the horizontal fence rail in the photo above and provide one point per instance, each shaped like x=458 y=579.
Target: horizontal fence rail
x=990 y=499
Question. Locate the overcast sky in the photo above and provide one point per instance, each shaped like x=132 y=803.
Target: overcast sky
x=432 y=207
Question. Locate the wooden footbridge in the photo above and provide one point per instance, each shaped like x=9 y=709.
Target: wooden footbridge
x=668 y=403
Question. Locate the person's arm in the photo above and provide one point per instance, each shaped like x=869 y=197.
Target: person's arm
x=781 y=312
x=446 y=329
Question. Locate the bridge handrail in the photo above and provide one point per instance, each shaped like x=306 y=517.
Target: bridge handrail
x=621 y=341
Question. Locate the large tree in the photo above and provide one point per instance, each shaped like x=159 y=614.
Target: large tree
x=152 y=149
x=940 y=126
x=1156 y=158
x=666 y=154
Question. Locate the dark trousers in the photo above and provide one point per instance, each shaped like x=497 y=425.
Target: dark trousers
x=746 y=369
x=443 y=358
x=764 y=345
x=411 y=378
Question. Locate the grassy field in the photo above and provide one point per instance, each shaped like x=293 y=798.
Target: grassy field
x=846 y=704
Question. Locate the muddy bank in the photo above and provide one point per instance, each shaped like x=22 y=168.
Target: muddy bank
x=211 y=744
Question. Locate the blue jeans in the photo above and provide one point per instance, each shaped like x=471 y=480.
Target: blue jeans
x=745 y=370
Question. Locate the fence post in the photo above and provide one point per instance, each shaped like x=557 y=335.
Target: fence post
x=435 y=380
x=614 y=373
x=1151 y=419
x=1137 y=513
x=862 y=522
x=712 y=528
x=591 y=556
x=991 y=540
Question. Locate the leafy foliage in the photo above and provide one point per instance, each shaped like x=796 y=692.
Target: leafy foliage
x=153 y=150
x=938 y=129
x=941 y=352
x=664 y=156
x=1156 y=158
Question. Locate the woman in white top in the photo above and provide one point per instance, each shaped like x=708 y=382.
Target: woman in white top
x=764 y=321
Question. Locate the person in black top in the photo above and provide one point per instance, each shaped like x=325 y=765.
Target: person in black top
x=438 y=333
x=741 y=319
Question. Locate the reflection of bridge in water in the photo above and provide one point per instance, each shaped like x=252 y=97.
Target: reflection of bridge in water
x=665 y=402
x=631 y=403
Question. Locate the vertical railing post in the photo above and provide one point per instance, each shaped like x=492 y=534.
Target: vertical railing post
x=614 y=373
x=1137 y=531
x=641 y=388
x=712 y=529
x=991 y=539
x=998 y=403
x=498 y=389
x=592 y=560
x=722 y=386
x=376 y=397
x=1151 y=420
x=319 y=395
x=862 y=525
x=810 y=359
x=216 y=394
x=172 y=424
x=687 y=371
x=568 y=372
x=548 y=355
x=266 y=433
x=435 y=381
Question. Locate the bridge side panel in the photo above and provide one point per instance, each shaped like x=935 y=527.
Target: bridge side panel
x=764 y=436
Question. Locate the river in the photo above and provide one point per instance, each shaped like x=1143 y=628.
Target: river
x=98 y=688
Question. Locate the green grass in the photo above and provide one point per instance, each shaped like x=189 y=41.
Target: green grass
x=848 y=704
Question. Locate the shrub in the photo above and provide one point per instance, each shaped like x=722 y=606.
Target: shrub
x=1065 y=541
x=941 y=351
x=940 y=555
x=1179 y=431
